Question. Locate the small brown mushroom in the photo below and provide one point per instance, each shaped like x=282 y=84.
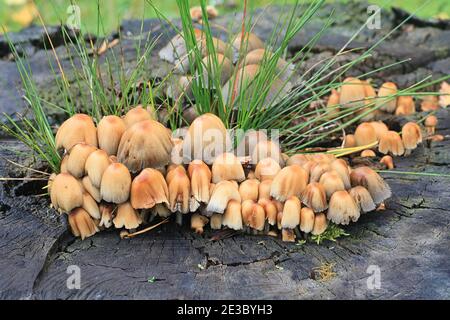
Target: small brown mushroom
x=369 y=179
x=82 y=224
x=352 y=94
x=388 y=162
x=290 y=181
x=362 y=198
x=179 y=190
x=405 y=106
x=331 y=182
x=215 y=221
x=148 y=189
x=95 y=166
x=386 y=97
x=250 y=42
x=380 y=128
x=110 y=130
x=365 y=134
x=200 y=175
x=411 y=136
x=66 y=193
x=136 y=115
x=431 y=123
x=77 y=159
x=227 y=167
x=198 y=222
x=223 y=192
x=349 y=141
x=267 y=169
x=264 y=189
x=342 y=208
x=249 y=190
x=116 y=183
x=391 y=142
x=232 y=217
x=77 y=129
x=307 y=220
x=314 y=196
x=127 y=217
x=91 y=189
x=91 y=206
x=320 y=224
x=368 y=153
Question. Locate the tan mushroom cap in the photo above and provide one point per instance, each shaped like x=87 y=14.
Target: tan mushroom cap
x=116 y=183
x=82 y=224
x=317 y=170
x=431 y=123
x=110 y=130
x=198 y=222
x=146 y=144
x=232 y=217
x=91 y=189
x=291 y=213
x=368 y=153
x=380 y=128
x=388 y=162
x=307 y=220
x=95 y=166
x=90 y=206
x=223 y=192
x=250 y=42
x=179 y=190
x=206 y=138
x=200 y=176
x=77 y=129
x=270 y=209
x=290 y=181
x=349 y=141
x=264 y=189
x=127 y=217
x=249 y=141
x=224 y=68
x=253 y=215
x=362 y=198
x=385 y=103
x=405 y=106
x=258 y=56
x=352 y=94
x=267 y=169
x=391 y=142
x=66 y=193
x=315 y=197
x=369 y=179
x=332 y=182
x=148 y=189
x=411 y=135
x=63 y=166
x=320 y=224
x=342 y=168
x=342 y=208
x=106 y=211
x=288 y=235
x=215 y=221
x=267 y=149
x=136 y=115
x=365 y=134
x=227 y=167
x=249 y=190
x=299 y=159
x=77 y=159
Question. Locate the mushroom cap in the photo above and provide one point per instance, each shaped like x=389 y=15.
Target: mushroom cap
x=290 y=181
x=200 y=175
x=249 y=189
x=179 y=187
x=81 y=223
x=198 y=222
x=368 y=153
x=299 y=159
x=77 y=129
x=66 y=193
x=206 y=138
x=317 y=170
x=320 y=224
x=148 y=189
x=291 y=213
x=365 y=134
x=405 y=105
x=116 y=183
x=341 y=167
x=270 y=209
x=215 y=221
x=362 y=198
x=307 y=220
x=380 y=128
x=136 y=115
x=250 y=42
x=77 y=158
x=95 y=166
x=431 y=121
x=388 y=162
x=106 y=211
x=232 y=217
x=224 y=68
x=127 y=217
x=369 y=179
x=110 y=130
x=91 y=206
x=267 y=149
x=145 y=144
x=256 y=218
x=264 y=189
x=369 y=91
x=429 y=103
x=387 y=104
x=258 y=56
x=223 y=192
x=266 y=169
x=63 y=166
x=342 y=208
x=391 y=142
x=249 y=141
x=411 y=135
x=91 y=189
x=227 y=167
x=349 y=141
x=315 y=197
x=352 y=94
x=332 y=182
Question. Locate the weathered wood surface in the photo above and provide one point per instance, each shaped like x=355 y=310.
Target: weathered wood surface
x=409 y=242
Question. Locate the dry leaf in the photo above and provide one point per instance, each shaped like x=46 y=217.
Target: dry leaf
x=444 y=101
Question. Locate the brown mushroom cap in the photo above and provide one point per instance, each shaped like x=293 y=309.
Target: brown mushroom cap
x=267 y=149
x=116 y=183
x=288 y=235
x=320 y=224
x=127 y=217
x=198 y=222
x=249 y=141
x=66 y=193
x=315 y=197
x=250 y=42
x=106 y=211
x=77 y=159
x=264 y=189
x=290 y=181
x=215 y=221
x=362 y=198
x=77 y=129
x=299 y=159
x=405 y=106
x=95 y=166
x=388 y=162
x=267 y=169
x=63 y=166
x=391 y=142
x=341 y=167
x=90 y=206
x=384 y=102
x=148 y=189
x=349 y=141
x=332 y=182
x=258 y=56
x=145 y=144
x=249 y=190
x=223 y=192
x=342 y=208
x=307 y=220
x=256 y=217
x=81 y=223
x=431 y=123
x=232 y=217
x=369 y=179
x=91 y=189
x=411 y=135
x=352 y=94
x=365 y=134
x=110 y=130
x=270 y=209
x=224 y=68
x=200 y=175
x=207 y=137
x=179 y=190
x=227 y=167
x=368 y=153
x=291 y=213
x=317 y=170
x=380 y=128
x=136 y=115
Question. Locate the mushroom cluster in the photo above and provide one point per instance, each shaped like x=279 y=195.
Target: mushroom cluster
x=123 y=173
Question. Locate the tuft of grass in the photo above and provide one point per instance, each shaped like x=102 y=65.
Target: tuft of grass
x=325 y=272
x=332 y=233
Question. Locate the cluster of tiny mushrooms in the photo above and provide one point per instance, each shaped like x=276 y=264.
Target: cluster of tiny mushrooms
x=129 y=170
